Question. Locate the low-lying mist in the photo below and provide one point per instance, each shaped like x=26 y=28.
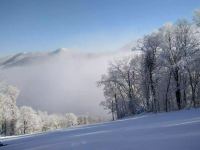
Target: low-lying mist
x=60 y=82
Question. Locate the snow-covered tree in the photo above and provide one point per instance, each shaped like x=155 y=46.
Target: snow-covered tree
x=180 y=46
x=25 y=120
x=29 y=121
x=44 y=120
x=150 y=45
x=8 y=108
x=71 y=119
x=81 y=120
x=168 y=77
x=120 y=87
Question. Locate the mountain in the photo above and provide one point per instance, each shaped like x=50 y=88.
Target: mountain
x=59 y=81
x=21 y=59
x=24 y=58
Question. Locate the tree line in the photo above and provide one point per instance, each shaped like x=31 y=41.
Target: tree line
x=162 y=74
x=16 y=120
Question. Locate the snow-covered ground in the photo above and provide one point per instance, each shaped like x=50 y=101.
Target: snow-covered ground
x=164 y=131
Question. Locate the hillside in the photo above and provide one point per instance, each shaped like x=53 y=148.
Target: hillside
x=174 y=131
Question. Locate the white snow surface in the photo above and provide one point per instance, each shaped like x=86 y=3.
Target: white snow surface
x=165 y=131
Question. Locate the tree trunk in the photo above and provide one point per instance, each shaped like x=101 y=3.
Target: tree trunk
x=155 y=105
x=166 y=95
x=131 y=100
x=178 y=91
x=178 y=97
x=5 y=127
x=193 y=97
x=184 y=92
x=12 y=127
x=24 y=127
x=148 y=98
x=185 y=98
x=193 y=84
x=113 y=117
x=125 y=110
x=117 y=107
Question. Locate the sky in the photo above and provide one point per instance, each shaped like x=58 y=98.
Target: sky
x=84 y=25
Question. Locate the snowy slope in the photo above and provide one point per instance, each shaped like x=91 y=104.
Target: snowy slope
x=165 y=131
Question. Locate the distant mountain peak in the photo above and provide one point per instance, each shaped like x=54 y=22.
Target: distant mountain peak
x=60 y=50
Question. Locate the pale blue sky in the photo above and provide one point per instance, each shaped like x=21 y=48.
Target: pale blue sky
x=85 y=25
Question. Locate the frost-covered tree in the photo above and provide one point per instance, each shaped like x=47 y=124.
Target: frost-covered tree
x=8 y=108
x=53 y=122
x=44 y=120
x=25 y=120
x=29 y=121
x=180 y=46
x=81 y=120
x=120 y=87
x=193 y=70
x=71 y=119
x=168 y=77
x=150 y=45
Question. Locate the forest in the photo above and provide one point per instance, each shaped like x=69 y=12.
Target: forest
x=163 y=77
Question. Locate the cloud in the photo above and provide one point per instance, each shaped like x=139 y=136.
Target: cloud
x=61 y=81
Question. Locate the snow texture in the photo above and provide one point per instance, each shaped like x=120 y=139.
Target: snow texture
x=165 y=131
